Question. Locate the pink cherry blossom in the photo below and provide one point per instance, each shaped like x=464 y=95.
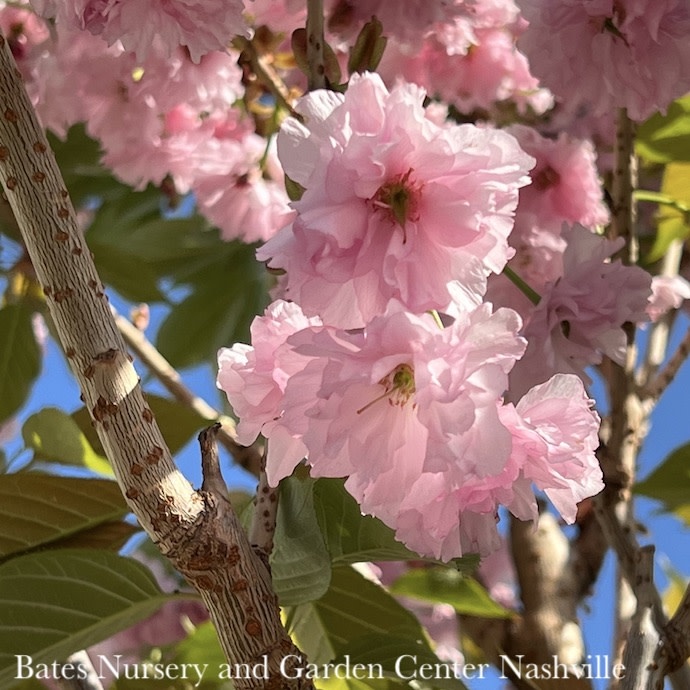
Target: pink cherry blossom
x=565 y=184
x=412 y=414
x=581 y=315
x=623 y=53
x=668 y=292
x=248 y=200
x=497 y=573
x=405 y=400
x=254 y=379
x=472 y=62
x=201 y=26
x=555 y=434
x=23 y=30
x=395 y=207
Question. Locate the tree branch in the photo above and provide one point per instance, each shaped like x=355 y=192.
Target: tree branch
x=266 y=74
x=624 y=179
x=315 y=45
x=197 y=531
x=248 y=457
x=263 y=525
x=665 y=377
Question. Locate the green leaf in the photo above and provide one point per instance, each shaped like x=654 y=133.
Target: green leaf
x=368 y=49
x=55 y=437
x=670 y=483
x=118 y=263
x=354 y=538
x=178 y=423
x=20 y=358
x=300 y=564
x=666 y=138
x=171 y=244
x=110 y=535
x=350 y=536
x=78 y=157
x=226 y=295
x=40 y=509
x=672 y=223
x=447 y=586
x=353 y=607
x=57 y=602
x=404 y=660
x=294 y=189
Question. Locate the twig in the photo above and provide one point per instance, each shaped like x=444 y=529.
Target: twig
x=643 y=638
x=629 y=418
x=630 y=559
x=315 y=45
x=201 y=535
x=266 y=74
x=624 y=182
x=263 y=525
x=248 y=457
x=665 y=377
x=213 y=482
x=548 y=592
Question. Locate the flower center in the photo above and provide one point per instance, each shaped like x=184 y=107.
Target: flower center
x=397 y=199
x=545 y=178
x=398 y=387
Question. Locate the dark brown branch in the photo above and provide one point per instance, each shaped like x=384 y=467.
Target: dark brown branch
x=315 y=45
x=213 y=482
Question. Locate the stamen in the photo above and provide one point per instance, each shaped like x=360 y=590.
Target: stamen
x=398 y=387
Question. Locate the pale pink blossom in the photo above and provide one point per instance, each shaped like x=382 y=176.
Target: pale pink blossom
x=668 y=292
x=23 y=30
x=623 y=53
x=395 y=207
x=254 y=379
x=405 y=401
x=9 y=429
x=248 y=201
x=555 y=436
x=538 y=260
x=200 y=26
x=565 y=183
x=472 y=62
x=581 y=315
x=412 y=414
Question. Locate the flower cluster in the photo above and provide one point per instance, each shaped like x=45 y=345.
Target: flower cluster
x=413 y=415
x=387 y=366
x=624 y=53
x=162 y=109
x=200 y=27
